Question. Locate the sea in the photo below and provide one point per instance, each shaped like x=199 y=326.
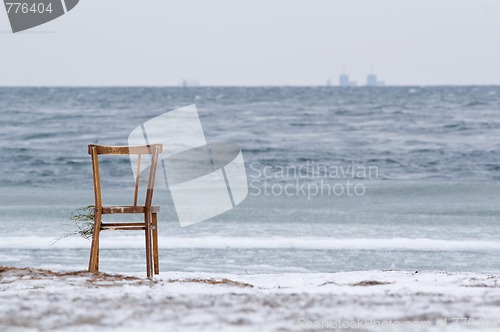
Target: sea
x=340 y=179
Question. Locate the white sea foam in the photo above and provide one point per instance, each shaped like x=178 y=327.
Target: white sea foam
x=129 y=242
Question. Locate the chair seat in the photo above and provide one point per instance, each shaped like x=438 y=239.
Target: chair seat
x=128 y=209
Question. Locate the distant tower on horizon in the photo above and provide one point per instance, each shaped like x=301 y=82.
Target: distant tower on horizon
x=371 y=79
x=189 y=83
x=344 y=79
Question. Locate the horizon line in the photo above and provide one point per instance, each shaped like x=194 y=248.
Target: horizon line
x=252 y=86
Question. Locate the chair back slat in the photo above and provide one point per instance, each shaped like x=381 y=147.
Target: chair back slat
x=138 y=172
x=135 y=149
x=152 y=175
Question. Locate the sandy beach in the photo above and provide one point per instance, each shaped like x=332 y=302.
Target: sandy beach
x=42 y=300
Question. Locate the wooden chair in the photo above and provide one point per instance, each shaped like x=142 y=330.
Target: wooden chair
x=150 y=225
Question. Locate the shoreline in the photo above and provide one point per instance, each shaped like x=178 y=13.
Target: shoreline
x=371 y=300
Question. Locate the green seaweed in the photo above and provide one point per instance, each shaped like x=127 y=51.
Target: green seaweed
x=84 y=220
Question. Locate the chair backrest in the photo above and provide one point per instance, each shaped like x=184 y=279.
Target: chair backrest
x=153 y=150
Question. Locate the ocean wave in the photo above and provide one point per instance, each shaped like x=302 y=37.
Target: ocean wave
x=249 y=243
x=476 y=103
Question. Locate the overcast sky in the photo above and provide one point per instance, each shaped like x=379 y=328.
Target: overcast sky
x=257 y=42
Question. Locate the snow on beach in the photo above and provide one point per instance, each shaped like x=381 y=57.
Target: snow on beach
x=33 y=300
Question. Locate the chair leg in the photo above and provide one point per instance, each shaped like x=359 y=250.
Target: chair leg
x=94 y=249
x=155 y=244
x=149 y=258
x=92 y=255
